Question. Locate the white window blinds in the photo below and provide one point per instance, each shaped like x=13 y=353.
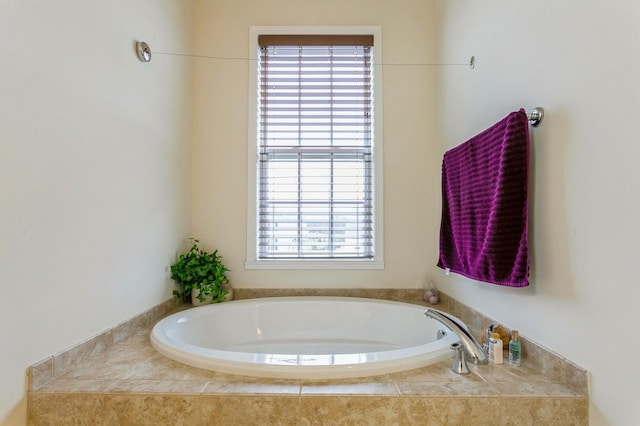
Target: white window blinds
x=315 y=170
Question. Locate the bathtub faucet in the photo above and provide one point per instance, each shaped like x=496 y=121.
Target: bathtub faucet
x=471 y=346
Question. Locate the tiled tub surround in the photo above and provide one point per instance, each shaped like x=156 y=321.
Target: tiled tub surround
x=118 y=378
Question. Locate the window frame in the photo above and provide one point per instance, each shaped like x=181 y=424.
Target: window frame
x=253 y=262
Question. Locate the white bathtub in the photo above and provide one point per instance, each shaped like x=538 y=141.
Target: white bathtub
x=303 y=337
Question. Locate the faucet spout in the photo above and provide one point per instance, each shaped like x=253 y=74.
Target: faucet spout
x=471 y=346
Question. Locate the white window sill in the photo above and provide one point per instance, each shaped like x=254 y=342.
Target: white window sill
x=315 y=264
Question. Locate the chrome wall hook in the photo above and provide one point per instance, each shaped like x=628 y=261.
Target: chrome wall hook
x=143 y=51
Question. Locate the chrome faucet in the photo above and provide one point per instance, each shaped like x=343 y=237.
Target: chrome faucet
x=471 y=346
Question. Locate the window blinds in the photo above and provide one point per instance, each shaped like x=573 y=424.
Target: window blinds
x=315 y=170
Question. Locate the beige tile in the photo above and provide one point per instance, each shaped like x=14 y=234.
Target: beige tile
x=446 y=389
x=381 y=293
x=111 y=364
x=577 y=378
x=157 y=386
x=445 y=301
x=534 y=389
x=68 y=359
x=383 y=378
x=139 y=338
x=158 y=410
x=375 y=293
x=122 y=331
x=543 y=360
x=438 y=372
x=378 y=385
x=544 y=411
x=141 y=322
x=64 y=409
x=414 y=296
x=41 y=373
x=252 y=386
x=506 y=373
x=449 y=411
x=349 y=410
x=77 y=385
x=257 y=410
x=159 y=367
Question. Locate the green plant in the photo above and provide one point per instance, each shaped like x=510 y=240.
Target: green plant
x=200 y=270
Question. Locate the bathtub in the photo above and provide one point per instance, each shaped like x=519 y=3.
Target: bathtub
x=307 y=337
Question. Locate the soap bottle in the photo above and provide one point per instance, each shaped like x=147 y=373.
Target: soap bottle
x=495 y=349
x=514 y=349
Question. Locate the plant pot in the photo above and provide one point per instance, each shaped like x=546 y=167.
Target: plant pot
x=207 y=300
x=229 y=295
x=196 y=302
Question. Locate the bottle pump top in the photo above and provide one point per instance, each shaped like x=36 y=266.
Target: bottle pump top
x=514 y=335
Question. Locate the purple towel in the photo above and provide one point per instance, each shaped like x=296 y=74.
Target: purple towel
x=483 y=233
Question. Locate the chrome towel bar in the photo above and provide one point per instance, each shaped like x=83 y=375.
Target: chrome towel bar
x=535 y=116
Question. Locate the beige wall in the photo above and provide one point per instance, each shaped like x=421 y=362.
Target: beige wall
x=577 y=61
x=411 y=152
x=94 y=152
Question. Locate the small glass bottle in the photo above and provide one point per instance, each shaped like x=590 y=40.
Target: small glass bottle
x=514 y=349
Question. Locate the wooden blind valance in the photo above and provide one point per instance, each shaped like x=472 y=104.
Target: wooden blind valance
x=315 y=40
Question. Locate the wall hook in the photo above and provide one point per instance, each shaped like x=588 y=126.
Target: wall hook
x=143 y=51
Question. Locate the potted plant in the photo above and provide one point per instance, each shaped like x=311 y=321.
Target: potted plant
x=200 y=275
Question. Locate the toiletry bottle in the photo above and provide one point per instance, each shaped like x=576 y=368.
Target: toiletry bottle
x=495 y=349
x=514 y=349
x=487 y=336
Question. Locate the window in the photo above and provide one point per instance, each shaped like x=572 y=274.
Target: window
x=316 y=174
